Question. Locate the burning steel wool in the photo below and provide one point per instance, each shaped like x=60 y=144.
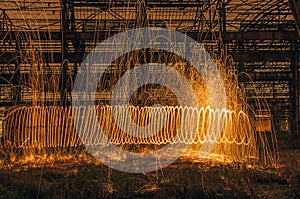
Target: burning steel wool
x=41 y=127
x=149 y=99
x=221 y=125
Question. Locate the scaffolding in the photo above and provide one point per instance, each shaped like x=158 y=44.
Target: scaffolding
x=49 y=39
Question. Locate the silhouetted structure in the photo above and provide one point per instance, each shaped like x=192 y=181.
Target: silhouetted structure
x=53 y=37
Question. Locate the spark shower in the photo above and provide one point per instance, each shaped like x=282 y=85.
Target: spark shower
x=219 y=122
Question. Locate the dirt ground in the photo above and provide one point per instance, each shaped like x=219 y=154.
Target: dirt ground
x=80 y=176
x=183 y=179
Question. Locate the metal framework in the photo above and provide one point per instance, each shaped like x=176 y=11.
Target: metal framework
x=42 y=39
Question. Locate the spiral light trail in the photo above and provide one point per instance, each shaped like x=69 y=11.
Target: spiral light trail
x=43 y=127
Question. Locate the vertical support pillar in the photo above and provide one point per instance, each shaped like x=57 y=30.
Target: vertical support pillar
x=294 y=112
x=298 y=100
x=222 y=15
x=275 y=116
x=64 y=64
x=141 y=14
x=294 y=88
x=295 y=77
x=17 y=76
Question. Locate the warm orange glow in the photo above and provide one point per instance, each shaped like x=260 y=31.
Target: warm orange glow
x=41 y=127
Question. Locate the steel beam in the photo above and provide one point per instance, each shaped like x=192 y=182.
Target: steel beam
x=49 y=57
x=265 y=76
x=261 y=35
x=258 y=76
x=102 y=35
x=153 y=3
x=261 y=56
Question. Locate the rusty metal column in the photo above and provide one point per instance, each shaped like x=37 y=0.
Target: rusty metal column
x=294 y=112
x=298 y=98
x=222 y=15
x=295 y=75
x=63 y=76
x=17 y=76
x=141 y=14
